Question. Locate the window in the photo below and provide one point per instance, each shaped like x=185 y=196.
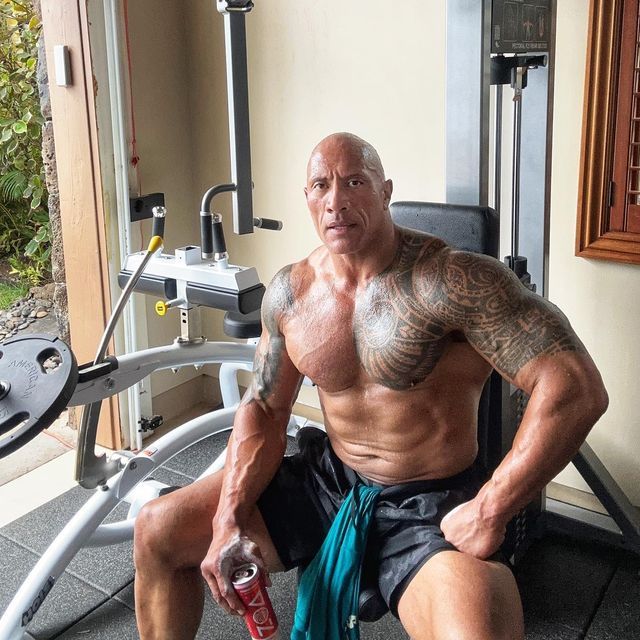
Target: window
x=609 y=195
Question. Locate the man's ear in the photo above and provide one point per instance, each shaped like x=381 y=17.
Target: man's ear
x=388 y=190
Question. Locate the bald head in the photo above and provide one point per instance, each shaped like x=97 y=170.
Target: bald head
x=347 y=143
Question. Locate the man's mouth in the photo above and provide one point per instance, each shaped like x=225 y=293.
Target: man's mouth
x=342 y=226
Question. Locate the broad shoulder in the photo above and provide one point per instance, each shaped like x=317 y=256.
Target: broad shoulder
x=284 y=291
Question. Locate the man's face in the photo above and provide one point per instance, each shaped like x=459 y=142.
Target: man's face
x=348 y=200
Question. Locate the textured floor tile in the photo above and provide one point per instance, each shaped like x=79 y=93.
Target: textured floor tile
x=618 y=618
x=110 y=621
x=69 y=599
x=195 y=459
x=562 y=583
x=106 y=568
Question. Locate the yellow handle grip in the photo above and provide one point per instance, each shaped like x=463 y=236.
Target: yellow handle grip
x=154 y=244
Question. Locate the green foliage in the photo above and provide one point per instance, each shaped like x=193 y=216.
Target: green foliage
x=24 y=228
x=9 y=293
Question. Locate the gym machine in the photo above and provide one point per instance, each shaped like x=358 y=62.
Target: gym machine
x=39 y=375
x=203 y=276
x=492 y=43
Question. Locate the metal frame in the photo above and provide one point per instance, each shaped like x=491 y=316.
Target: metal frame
x=85 y=529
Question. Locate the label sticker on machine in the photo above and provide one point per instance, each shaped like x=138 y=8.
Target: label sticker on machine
x=520 y=26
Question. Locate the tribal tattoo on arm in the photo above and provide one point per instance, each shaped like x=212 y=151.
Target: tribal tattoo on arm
x=503 y=320
x=271 y=358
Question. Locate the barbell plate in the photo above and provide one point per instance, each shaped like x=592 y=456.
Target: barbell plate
x=38 y=391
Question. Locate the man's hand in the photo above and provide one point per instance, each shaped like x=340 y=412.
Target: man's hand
x=228 y=550
x=468 y=532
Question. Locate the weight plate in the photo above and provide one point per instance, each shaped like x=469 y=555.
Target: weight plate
x=38 y=375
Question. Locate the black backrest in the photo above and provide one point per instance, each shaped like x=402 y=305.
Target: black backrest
x=472 y=229
x=461 y=226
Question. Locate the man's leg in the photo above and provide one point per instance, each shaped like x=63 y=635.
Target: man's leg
x=172 y=536
x=455 y=596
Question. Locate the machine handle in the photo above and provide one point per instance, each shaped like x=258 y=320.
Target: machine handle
x=206 y=234
x=159 y=214
x=219 y=244
x=267 y=223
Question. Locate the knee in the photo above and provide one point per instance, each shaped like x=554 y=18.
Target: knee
x=459 y=597
x=151 y=533
x=502 y=607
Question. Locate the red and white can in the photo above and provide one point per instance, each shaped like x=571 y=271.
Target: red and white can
x=259 y=616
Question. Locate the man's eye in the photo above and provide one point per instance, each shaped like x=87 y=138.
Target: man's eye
x=318 y=185
x=355 y=183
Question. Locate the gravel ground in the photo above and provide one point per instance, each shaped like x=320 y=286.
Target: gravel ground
x=33 y=313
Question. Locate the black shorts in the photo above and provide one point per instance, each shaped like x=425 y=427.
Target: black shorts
x=303 y=498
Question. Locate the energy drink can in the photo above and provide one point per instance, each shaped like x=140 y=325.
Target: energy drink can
x=259 y=616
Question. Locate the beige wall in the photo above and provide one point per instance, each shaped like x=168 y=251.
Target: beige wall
x=317 y=67
x=602 y=299
x=174 y=122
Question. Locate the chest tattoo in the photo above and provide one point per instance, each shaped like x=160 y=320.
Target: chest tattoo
x=397 y=340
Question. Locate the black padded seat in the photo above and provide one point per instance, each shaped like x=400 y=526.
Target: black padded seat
x=242 y=325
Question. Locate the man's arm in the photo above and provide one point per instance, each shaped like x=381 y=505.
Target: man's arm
x=256 y=447
x=531 y=343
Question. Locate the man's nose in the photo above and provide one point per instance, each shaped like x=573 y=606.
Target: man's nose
x=337 y=199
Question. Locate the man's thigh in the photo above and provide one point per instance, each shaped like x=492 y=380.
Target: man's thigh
x=182 y=523
x=457 y=596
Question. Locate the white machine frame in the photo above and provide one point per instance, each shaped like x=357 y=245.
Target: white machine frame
x=86 y=528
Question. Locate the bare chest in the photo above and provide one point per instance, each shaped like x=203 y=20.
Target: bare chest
x=380 y=335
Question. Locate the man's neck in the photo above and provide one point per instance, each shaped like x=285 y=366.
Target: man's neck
x=359 y=268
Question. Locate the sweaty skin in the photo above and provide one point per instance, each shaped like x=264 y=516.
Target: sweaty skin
x=399 y=332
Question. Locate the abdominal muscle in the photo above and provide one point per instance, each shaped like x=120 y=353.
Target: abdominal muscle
x=391 y=436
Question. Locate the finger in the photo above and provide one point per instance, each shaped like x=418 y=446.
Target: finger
x=231 y=598
x=215 y=593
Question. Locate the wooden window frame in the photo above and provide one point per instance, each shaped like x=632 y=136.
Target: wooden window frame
x=596 y=237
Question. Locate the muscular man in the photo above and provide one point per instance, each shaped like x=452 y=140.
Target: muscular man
x=400 y=333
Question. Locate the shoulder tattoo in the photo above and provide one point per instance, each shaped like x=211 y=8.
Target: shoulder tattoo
x=500 y=317
x=278 y=300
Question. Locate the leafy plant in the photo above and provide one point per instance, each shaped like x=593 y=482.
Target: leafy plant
x=24 y=230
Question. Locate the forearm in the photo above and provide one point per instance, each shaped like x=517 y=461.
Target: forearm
x=561 y=410
x=254 y=452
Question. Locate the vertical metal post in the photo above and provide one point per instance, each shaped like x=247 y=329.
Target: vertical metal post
x=535 y=161
x=515 y=178
x=238 y=101
x=467 y=101
x=497 y=153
